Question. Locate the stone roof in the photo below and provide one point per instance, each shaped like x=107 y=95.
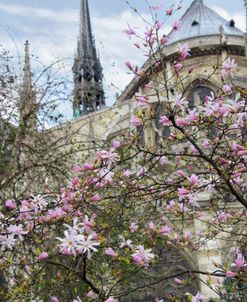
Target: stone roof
x=200 y=20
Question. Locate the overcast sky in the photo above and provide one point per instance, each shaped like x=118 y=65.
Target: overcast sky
x=52 y=26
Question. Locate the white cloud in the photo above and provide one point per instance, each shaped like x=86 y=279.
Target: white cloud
x=238 y=17
x=68 y=16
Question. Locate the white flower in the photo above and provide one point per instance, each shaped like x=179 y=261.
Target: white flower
x=7 y=241
x=38 y=203
x=125 y=243
x=69 y=242
x=86 y=245
x=16 y=230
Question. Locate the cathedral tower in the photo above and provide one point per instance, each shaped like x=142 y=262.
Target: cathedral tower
x=88 y=87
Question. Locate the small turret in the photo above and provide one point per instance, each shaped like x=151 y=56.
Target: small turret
x=27 y=102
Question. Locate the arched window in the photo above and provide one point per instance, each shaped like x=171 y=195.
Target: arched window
x=197 y=95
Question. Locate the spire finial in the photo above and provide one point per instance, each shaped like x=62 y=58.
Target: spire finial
x=86 y=40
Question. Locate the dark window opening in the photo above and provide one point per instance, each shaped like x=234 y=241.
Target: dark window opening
x=194 y=23
x=231 y=23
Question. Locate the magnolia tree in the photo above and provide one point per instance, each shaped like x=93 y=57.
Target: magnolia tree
x=133 y=221
x=32 y=157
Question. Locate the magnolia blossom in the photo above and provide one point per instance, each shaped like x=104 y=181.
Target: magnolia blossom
x=129 y=31
x=169 y=11
x=230 y=274
x=141 y=171
x=7 y=241
x=141 y=99
x=125 y=243
x=54 y=299
x=240 y=261
x=184 y=51
x=228 y=67
x=227 y=88
x=111 y=299
x=142 y=257
x=10 y=204
x=165 y=121
x=43 y=256
x=110 y=252
x=165 y=230
x=176 y=25
x=135 y=121
x=16 y=230
x=197 y=298
x=178 y=67
x=133 y=227
x=129 y=65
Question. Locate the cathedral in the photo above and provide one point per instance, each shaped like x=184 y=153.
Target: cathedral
x=211 y=40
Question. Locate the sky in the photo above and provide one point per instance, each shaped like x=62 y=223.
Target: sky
x=52 y=27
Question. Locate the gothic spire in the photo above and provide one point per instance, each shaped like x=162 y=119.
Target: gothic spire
x=88 y=87
x=86 y=41
x=27 y=103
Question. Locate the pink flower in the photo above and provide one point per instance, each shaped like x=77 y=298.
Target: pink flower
x=96 y=198
x=116 y=144
x=181 y=122
x=164 y=40
x=193 y=115
x=90 y=294
x=164 y=120
x=184 y=51
x=230 y=274
x=178 y=281
x=176 y=25
x=228 y=66
x=111 y=299
x=87 y=167
x=197 y=298
x=141 y=172
x=10 y=204
x=178 y=67
x=133 y=227
x=43 y=256
x=142 y=257
x=129 y=65
x=136 y=121
x=180 y=173
x=183 y=192
x=191 y=69
x=227 y=88
x=110 y=252
x=206 y=144
x=129 y=31
x=165 y=230
x=54 y=299
x=76 y=169
x=152 y=226
x=193 y=180
x=240 y=262
x=162 y=160
x=141 y=99
x=127 y=173
x=169 y=11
